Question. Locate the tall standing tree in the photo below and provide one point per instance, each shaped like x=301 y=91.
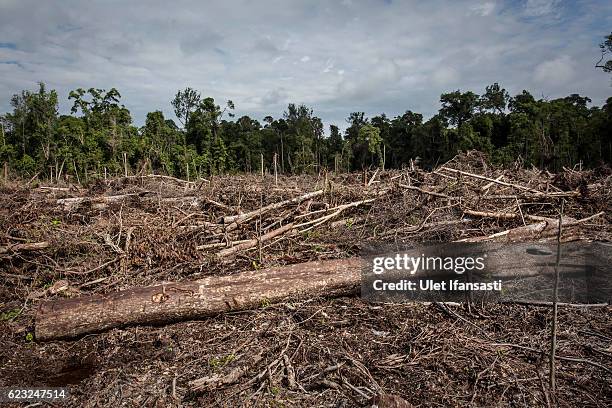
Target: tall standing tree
x=304 y=131
x=335 y=140
x=184 y=103
x=494 y=99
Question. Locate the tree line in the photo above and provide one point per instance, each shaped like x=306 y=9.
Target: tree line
x=99 y=136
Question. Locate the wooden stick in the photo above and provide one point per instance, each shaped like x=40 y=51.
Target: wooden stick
x=68 y=202
x=338 y=210
x=417 y=228
x=433 y=193
x=252 y=214
x=252 y=243
x=502 y=183
x=125 y=169
x=275 y=169
x=216 y=380
x=373 y=177
x=509 y=215
x=76 y=172
x=490 y=214
x=488 y=186
x=221 y=244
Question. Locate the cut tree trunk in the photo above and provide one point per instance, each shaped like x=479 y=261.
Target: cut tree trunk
x=189 y=300
x=214 y=295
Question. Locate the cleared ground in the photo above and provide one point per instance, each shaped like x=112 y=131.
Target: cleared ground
x=117 y=234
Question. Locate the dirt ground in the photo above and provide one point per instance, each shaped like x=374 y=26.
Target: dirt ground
x=116 y=234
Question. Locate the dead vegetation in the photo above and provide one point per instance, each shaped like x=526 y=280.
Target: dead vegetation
x=66 y=242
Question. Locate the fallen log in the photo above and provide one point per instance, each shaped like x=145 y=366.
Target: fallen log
x=27 y=246
x=545 y=229
x=509 y=216
x=189 y=300
x=171 y=302
x=96 y=202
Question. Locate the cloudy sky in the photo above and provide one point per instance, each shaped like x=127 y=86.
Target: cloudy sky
x=335 y=56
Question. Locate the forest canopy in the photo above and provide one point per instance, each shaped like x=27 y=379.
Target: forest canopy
x=99 y=136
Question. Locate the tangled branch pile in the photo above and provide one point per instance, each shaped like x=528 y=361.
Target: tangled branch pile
x=140 y=230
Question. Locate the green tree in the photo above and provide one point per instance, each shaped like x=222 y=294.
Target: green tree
x=369 y=136
x=494 y=99
x=303 y=135
x=606 y=49
x=106 y=120
x=458 y=106
x=184 y=103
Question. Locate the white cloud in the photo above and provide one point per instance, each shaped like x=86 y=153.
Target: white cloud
x=483 y=9
x=371 y=56
x=556 y=72
x=539 y=8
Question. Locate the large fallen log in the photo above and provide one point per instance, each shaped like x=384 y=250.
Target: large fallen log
x=213 y=295
x=206 y=297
